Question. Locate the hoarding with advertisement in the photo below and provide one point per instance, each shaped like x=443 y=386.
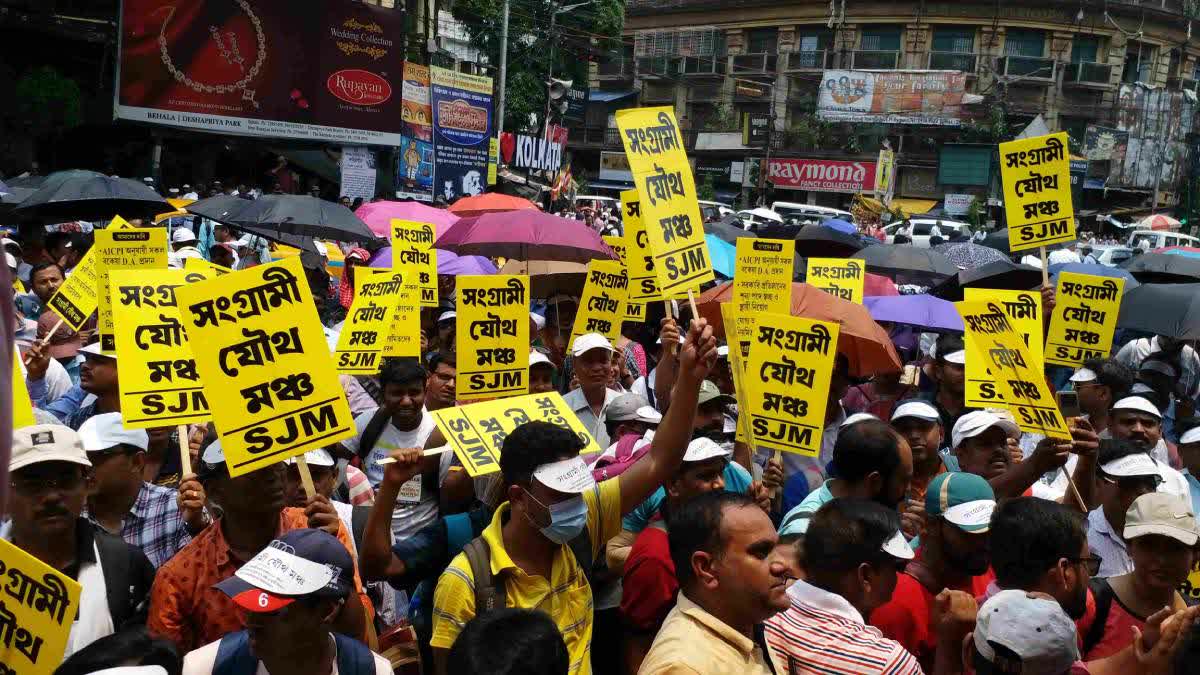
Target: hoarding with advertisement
x=414 y=170
x=462 y=122
x=821 y=175
x=329 y=73
x=932 y=97
x=416 y=113
x=615 y=166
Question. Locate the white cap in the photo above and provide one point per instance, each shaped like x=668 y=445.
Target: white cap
x=1158 y=367
x=723 y=352
x=446 y=316
x=322 y=249
x=897 y=547
x=1190 y=436
x=6 y=241
x=280 y=571
x=213 y=453
x=107 y=430
x=959 y=357
x=318 y=457
x=10 y=259
x=46 y=443
x=856 y=418
x=1163 y=514
x=701 y=449
x=589 y=341
x=94 y=350
x=536 y=357
x=1084 y=375
x=1141 y=388
x=538 y=320
x=1035 y=628
x=1136 y=464
x=974 y=423
x=572 y=476
x=1138 y=403
x=921 y=410
x=182 y=235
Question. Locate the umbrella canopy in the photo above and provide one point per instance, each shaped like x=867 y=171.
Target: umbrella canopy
x=815 y=241
x=1093 y=269
x=998 y=240
x=723 y=255
x=1185 y=251
x=548 y=278
x=865 y=343
x=967 y=255
x=378 y=216
x=1159 y=221
x=224 y=209
x=294 y=214
x=16 y=190
x=489 y=202
x=1003 y=273
x=451 y=264
x=873 y=284
x=906 y=263
x=841 y=225
x=923 y=311
x=1163 y=268
x=525 y=235
x=1172 y=310
x=728 y=228
x=87 y=195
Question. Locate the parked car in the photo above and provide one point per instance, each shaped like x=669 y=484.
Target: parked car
x=1160 y=239
x=1109 y=256
x=809 y=212
x=713 y=210
x=754 y=219
x=922 y=229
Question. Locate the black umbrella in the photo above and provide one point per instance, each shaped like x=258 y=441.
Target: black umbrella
x=997 y=240
x=1163 y=268
x=728 y=228
x=908 y=262
x=225 y=209
x=16 y=190
x=1001 y=274
x=300 y=215
x=818 y=241
x=87 y=195
x=1172 y=310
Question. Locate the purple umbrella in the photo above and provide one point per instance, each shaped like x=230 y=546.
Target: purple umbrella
x=525 y=235
x=922 y=311
x=449 y=264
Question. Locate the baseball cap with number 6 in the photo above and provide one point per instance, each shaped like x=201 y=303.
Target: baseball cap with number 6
x=301 y=563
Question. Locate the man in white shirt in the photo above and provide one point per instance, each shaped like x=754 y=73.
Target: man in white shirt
x=1126 y=473
x=183 y=246
x=592 y=354
x=1176 y=352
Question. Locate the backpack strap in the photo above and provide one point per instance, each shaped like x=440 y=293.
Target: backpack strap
x=370 y=435
x=117 y=569
x=581 y=548
x=488 y=587
x=234 y=657
x=353 y=657
x=1103 y=593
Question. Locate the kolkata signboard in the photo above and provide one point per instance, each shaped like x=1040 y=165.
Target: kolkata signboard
x=929 y=97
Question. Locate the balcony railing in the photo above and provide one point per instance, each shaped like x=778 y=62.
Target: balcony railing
x=815 y=59
x=869 y=59
x=755 y=64
x=661 y=93
x=594 y=136
x=615 y=70
x=1085 y=73
x=657 y=66
x=1031 y=68
x=703 y=66
x=705 y=93
x=953 y=61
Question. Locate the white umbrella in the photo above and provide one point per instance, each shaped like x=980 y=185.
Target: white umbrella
x=766 y=213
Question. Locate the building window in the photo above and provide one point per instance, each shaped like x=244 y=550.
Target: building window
x=762 y=41
x=1084 y=49
x=811 y=40
x=1022 y=42
x=954 y=40
x=881 y=39
x=1139 y=58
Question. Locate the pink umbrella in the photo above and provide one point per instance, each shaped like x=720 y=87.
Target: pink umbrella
x=879 y=285
x=378 y=216
x=525 y=235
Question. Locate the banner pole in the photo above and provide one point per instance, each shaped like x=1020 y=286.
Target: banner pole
x=306 y=476
x=670 y=349
x=185 y=450
x=1074 y=490
x=46 y=340
x=1045 y=271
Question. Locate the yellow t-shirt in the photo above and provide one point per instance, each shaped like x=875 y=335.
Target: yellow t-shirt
x=566 y=597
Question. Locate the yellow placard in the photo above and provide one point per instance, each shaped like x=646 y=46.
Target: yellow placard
x=617 y=244
x=76 y=298
x=156 y=371
x=123 y=249
x=203 y=265
x=413 y=256
x=762 y=283
x=19 y=287
x=643 y=283
x=667 y=193
x=1024 y=310
x=787 y=381
x=1036 y=173
x=602 y=305
x=404 y=338
x=38 y=610
x=364 y=334
x=1084 y=318
x=476 y=432
x=265 y=365
x=635 y=311
x=730 y=317
x=840 y=277
x=492 y=336
x=22 y=407
x=992 y=339
x=1190 y=588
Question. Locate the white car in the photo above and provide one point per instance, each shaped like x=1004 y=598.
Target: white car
x=809 y=212
x=713 y=210
x=1160 y=239
x=1109 y=256
x=753 y=219
x=922 y=230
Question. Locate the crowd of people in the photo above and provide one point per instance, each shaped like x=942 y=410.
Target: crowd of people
x=926 y=536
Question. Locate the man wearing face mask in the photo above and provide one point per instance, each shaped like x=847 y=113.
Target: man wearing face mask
x=542 y=543
x=954 y=555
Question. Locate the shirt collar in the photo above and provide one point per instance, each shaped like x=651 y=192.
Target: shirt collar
x=578 y=401
x=804 y=593
x=1100 y=525
x=697 y=613
x=494 y=536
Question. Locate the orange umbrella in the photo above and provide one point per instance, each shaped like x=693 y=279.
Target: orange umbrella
x=489 y=202
x=865 y=343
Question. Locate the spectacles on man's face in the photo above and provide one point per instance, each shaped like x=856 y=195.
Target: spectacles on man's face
x=1092 y=562
x=33 y=485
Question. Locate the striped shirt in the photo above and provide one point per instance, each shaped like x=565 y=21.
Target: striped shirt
x=823 y=634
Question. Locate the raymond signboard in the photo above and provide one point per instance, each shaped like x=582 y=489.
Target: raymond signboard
x=821 y=175
x=234 y=67
x=932 y=97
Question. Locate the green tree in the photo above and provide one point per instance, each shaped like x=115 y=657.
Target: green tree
x=593 y=30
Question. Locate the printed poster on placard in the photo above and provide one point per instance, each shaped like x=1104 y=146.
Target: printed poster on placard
x=1024 y=310
x=762 y=283
x=264 y=361
x=157 y=374
x=365 y=332
x=414 y=256
x=404 y=337
x=77 y=297
x=1084 y=318
x=737 y=366
x=842 y=278
x=602 y=305
x=40 y=606
x=787 y=378
x=992 y=339
x=667 y=192
x=1036 y=173
x=476 y=432
x=123 y=249
x=492 y=329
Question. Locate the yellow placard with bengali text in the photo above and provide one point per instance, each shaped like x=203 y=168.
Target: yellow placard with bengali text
x=38 y=611
x=476 y=432
x=369 y=321
x=761 y=283
x=634 y=311
x=76 y=298
x=203 y=265
x=643 y=283
x=667 y=194
x=617 y=244
x=137 y=248
x=737 y=367
x=156 y=371
x=264 y=361
x=1084 y=318
x=787 y=381
x=992 y=339
x=492 y=339
x=1024 y=310
x=404 y=338
x=413 y=256
x=842 y=278
x=22 y=407
x=602 y=305
x=1036 y=173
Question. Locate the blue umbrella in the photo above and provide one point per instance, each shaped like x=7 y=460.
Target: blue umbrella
x=923 y=311
x=1095 y=270
x=841 y=225
x=723 y=255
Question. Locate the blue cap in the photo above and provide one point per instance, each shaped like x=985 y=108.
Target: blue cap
x=300 y=563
